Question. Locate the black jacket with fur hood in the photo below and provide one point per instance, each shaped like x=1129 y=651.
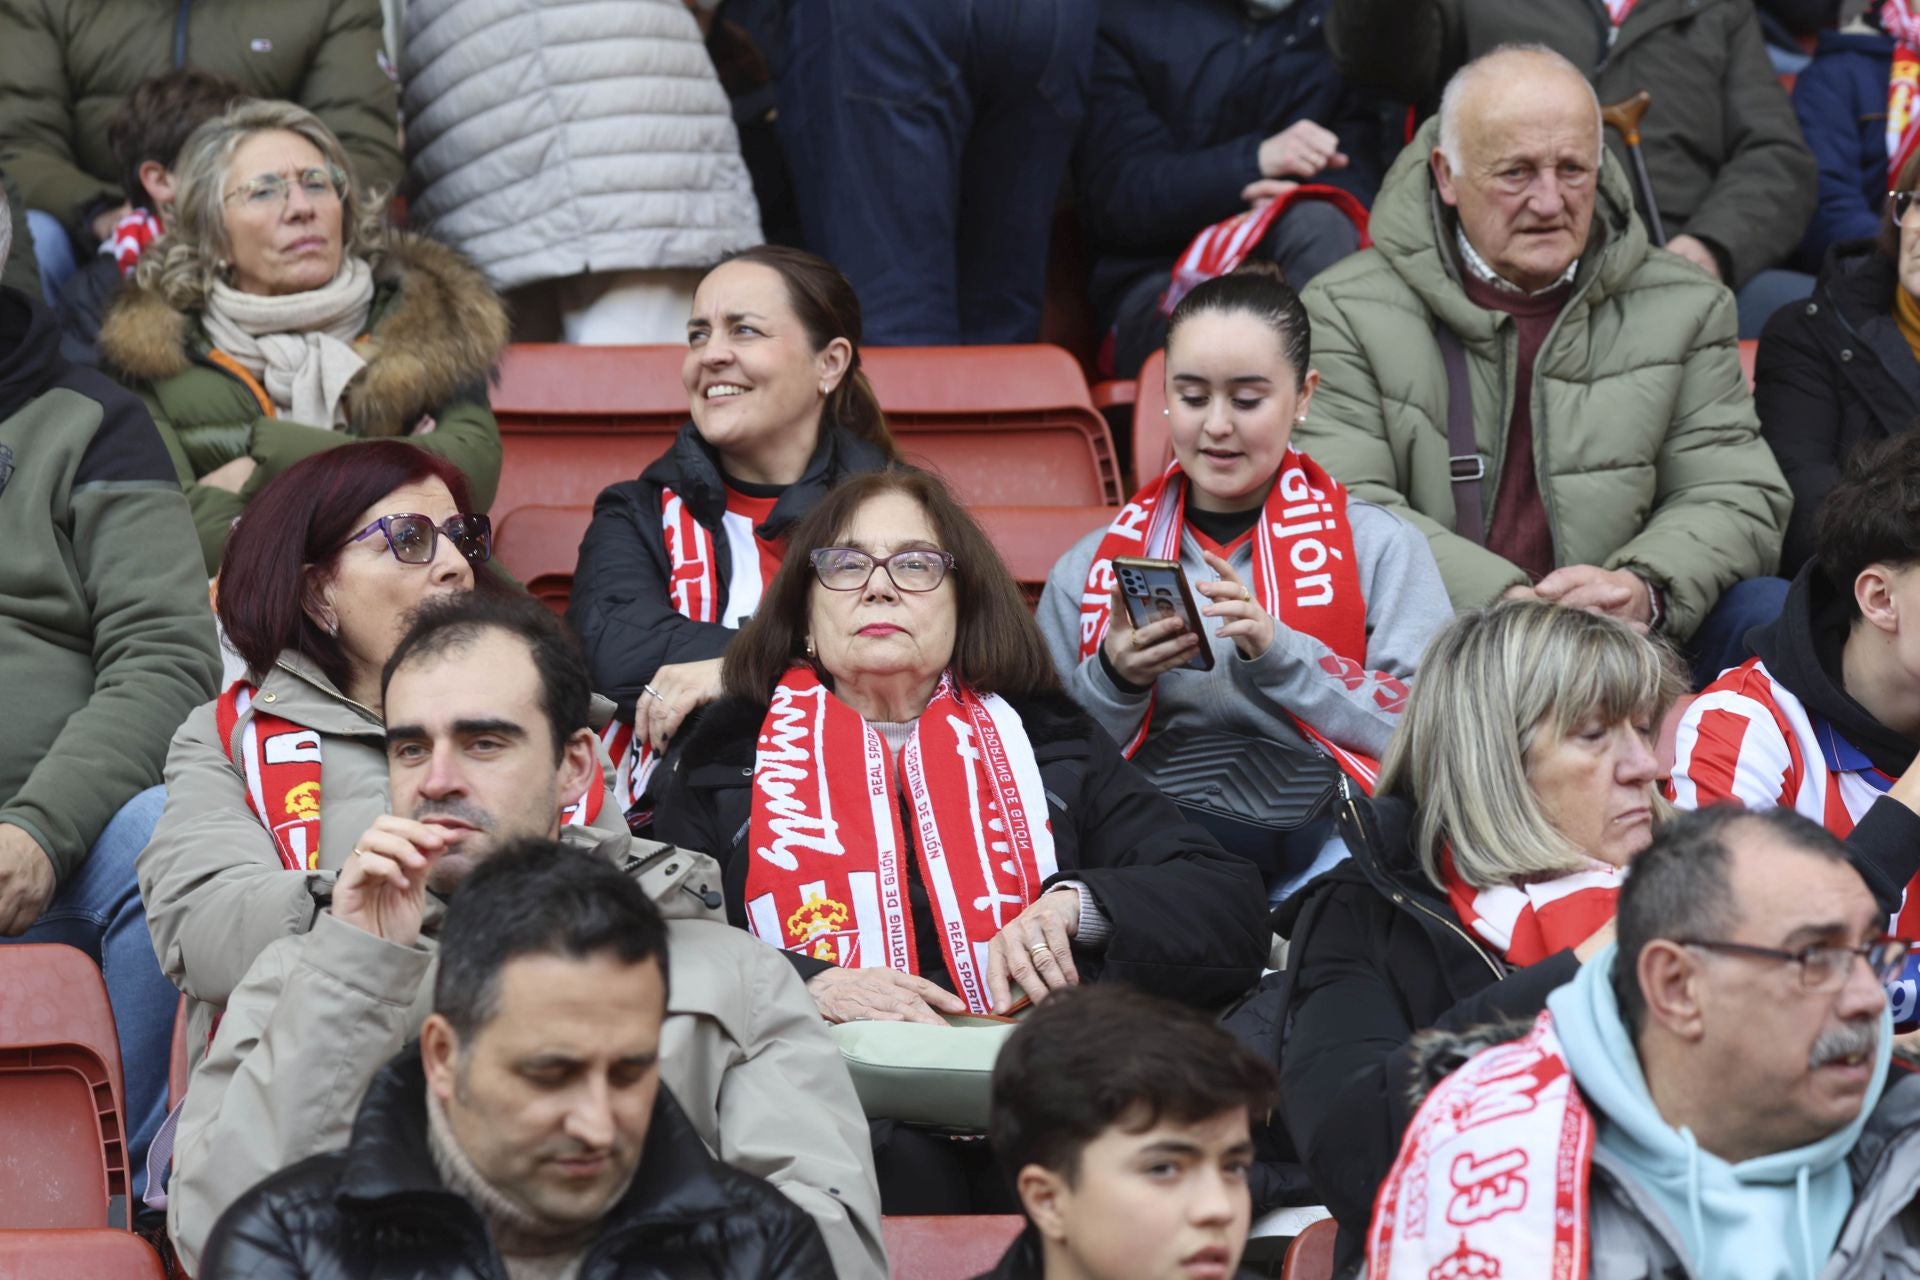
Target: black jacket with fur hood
x=434 y=332
x=1189 y=921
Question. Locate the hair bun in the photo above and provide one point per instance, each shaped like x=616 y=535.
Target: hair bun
x=1261 y=268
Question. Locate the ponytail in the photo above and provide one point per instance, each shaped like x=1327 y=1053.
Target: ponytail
x=854 y=408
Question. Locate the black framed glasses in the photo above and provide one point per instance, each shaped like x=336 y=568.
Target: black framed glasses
x=1823 y=967
x=1900 y=202
x=415 y=539
x=850 y=569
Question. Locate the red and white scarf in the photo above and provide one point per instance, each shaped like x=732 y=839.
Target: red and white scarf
x=1898 y=20
x=130 y=238
x=1305 y=574
x=693 y=585
x=827 y=877
x=281 y=763
x=1529 y=922
x=1492 y=1176
x=1619 y=9
x=1223 y=246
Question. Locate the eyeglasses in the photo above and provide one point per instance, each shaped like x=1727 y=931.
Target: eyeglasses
x=272 y=188
x=849 y=569
x=415 y=539
x=1823 y=968
x=1900 y=202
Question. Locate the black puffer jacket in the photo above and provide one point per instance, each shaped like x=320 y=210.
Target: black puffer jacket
x=1189 y=921
x=1833 y=373
x=379 y=1211
x=1382 y=956
x=620 y=607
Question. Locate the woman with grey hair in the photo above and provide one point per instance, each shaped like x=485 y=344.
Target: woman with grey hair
x=277 y=317
x=1483 y=871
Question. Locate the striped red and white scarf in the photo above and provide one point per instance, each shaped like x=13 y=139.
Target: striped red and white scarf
x=1898 y=20
x=693 y=585
x=1305 y=574
x=1492 y=1178
x=1226 y=244
x=131 y=236
x=827 y=875
x=1529 y=922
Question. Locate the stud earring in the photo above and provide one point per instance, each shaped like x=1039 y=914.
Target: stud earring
x=1166 y=413
x=809 y=646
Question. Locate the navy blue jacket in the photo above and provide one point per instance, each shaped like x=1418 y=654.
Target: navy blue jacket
x=1184 y=92
x=1841 y=99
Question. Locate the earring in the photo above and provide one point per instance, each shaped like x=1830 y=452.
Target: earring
x=1166 y=413
x=1301 y=420
x=809 y=646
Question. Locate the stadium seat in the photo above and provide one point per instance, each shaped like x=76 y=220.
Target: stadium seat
x=1030 y=539
x=1152 y=440
x=540 y=545
x=947 y=1248
x=574 y=420
x=1003 y=425
x=1749 y=352
x=61 y=1101
x=1310 y=1257
x=78 y=1254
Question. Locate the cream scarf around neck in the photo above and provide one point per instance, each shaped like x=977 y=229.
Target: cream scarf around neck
x=298 y=344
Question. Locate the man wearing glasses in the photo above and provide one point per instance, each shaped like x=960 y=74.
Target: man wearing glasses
x=1709 y=1097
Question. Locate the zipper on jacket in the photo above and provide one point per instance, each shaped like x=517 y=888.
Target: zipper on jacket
x=1400 y=899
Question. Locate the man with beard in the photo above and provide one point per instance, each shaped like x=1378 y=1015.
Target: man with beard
x=486 y=710
x=1709 y=1097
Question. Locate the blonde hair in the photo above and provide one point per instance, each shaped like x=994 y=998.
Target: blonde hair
x=1491 y=683
x=185 y=263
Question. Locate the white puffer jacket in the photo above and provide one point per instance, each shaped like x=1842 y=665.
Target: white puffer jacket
x=549 y=138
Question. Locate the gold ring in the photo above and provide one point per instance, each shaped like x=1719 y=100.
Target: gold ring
x=1038 y=947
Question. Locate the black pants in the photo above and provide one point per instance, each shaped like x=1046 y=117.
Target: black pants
x=922 y=1172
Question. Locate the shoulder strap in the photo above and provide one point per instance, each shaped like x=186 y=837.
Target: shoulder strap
x=1465 y=467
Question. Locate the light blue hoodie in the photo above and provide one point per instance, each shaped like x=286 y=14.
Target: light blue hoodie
x=1775 y=1216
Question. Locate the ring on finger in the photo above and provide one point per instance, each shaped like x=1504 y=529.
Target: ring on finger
x=1039 y=949
x=649 y=689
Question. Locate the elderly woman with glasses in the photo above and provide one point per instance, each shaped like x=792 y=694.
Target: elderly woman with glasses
x=273 y=784
x=277 y=318
x=1842 y=368
x=904 y=800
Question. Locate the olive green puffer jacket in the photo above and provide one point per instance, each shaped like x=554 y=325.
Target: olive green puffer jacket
x=1645 y=441
x=435 y=330
x=65 y=65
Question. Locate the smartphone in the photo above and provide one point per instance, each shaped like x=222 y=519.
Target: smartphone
x=1157 y=589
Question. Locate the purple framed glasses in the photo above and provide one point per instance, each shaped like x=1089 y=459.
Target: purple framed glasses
x=415 y=539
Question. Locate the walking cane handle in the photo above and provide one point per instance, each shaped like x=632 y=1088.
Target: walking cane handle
x=1624 y=116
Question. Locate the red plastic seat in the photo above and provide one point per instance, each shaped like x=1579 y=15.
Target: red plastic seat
x=1031 y=539
x=574 y=420
x=540 y=546
x=1002 y=425
x=1152 y=438
x=1310 y=1256
x=77 y=1254
x=62 y=1106
x=947 y=1248
x=1749 y=352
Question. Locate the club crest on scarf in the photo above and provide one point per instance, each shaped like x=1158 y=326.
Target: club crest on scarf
x=828 y=872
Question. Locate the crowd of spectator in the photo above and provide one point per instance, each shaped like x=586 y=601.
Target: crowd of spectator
x=1476 y=761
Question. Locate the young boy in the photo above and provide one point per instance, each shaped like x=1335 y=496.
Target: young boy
x=1124 y=1123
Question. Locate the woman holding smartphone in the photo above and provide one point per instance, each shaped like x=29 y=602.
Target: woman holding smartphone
x=1315 y=606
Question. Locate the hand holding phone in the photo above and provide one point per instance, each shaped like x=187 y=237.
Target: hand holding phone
x=1155 y=626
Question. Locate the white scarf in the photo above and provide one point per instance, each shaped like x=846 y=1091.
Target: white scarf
x=298 y=344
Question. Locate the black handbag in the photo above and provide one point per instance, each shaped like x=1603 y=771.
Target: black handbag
x=1251 y=794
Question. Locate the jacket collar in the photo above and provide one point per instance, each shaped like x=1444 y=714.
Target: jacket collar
x=30 y=357
x=389 y=1169
x=297 y=690
x=691 y=468
x=1413 y=229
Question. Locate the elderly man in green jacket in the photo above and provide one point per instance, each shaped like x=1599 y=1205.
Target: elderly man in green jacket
x=1604 y=450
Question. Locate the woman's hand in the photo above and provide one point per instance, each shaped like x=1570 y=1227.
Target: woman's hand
x=1035 y=949
x=1248 y=625
x=880 y=995
x=671 y=696
x=1141 y=656
x=231 y=476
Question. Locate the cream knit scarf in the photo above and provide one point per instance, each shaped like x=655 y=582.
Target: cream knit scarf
x=298 y=344
x=532 y=1247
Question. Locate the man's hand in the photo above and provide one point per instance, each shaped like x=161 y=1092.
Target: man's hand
x=1695 y=252
x=383 y=888
x=1142 y=656
x=1262 y=192
x=671 y=696
x=880 y=995
x=1301 y=150
x=1618 y=593
x=105 y=220
x=1035 y=949
x=26 y=880
x=231 y=476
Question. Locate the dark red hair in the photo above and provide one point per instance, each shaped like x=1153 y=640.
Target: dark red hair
x=300 y=521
